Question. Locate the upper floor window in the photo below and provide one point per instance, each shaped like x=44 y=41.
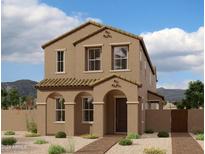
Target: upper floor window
x=60 y=109
x=87 y=109
x=60 y=61
x=119 y=57
x=93 y=62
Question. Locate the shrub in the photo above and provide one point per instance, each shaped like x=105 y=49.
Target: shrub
x=133 y=136
x=56 y=149
x=32 y=135
x=125 y=141
x=40 y=141
x=8 y=141
x=198 y=132
x=89 y=136
x=60 y=135
x=200 y=136
x=149 y=131
x=163 y=134
x=31 y=126
x=154 y=151
x=9 y=132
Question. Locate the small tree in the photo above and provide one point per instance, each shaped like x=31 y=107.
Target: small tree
x=4 y=99
x=194 y=96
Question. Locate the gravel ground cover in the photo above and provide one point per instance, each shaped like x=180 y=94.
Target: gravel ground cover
x=145 y=141
x=25 y=145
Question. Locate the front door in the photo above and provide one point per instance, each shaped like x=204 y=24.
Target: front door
x=121 y=115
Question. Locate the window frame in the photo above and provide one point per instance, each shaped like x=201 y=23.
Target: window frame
x=87 y=59
x=61 y=110
x=60 y=50
x=83 y=120
x=113 y=58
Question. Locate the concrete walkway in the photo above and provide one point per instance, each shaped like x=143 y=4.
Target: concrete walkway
x=183 y=143
x=100 y=146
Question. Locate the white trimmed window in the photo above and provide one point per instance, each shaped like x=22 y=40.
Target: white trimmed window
x=60 y=61
x=120 y=57
x=60 y=109
x=87 y=109
x=93 y=59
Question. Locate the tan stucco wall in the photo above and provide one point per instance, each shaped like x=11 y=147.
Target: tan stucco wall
x=65 y=43
x=195 y=120
x=158 y=120
x=106 y=54
x=16 y=119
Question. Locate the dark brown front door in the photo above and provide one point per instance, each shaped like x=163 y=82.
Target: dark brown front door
x=179 y=120
x=121 y=115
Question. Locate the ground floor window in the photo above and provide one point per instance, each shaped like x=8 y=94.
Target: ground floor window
x=87 y=109
x=60 y=109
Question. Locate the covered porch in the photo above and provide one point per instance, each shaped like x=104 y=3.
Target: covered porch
x=104 y=106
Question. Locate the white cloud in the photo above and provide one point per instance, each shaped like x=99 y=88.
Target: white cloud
x=183 y=85
x=26 y=25
x=173 y=49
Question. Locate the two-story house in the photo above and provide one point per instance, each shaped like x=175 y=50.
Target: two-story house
x=98 y=79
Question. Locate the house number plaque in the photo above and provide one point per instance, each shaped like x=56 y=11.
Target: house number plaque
x=116 y=84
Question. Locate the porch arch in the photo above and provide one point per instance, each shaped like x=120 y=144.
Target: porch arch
x=115 y=112
x=81 y=127
x=55 y=114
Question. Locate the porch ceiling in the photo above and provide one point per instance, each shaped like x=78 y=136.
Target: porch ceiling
x=74 y=82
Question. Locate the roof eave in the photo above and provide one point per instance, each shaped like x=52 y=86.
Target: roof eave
x=69 y=32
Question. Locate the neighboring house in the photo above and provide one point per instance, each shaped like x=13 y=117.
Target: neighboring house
x=98 y=79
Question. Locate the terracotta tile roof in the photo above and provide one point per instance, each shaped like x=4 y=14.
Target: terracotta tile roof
x=74 y=82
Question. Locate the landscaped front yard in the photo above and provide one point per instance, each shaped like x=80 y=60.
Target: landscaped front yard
x=145 y=141
x=199 y=140
x=25 y=145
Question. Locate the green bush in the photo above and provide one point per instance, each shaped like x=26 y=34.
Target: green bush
x=32 y=135
x=56 y=149
x=163 y=134
x=133 y=136
x=198 y=132
x=9 y=132
x=31 y=126
x=154 y=151
x=200 y=136
x=60 y=135
x=125 y=141
x=40 y=141
x=8 y=141
x=89 y=136
x=149 y=131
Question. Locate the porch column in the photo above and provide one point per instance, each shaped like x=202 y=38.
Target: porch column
x=132 y=116
x=69 y=118
x=41 y=118
x=160 y=105
x=98 y=119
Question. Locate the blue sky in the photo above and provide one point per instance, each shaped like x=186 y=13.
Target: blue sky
x=178 y=20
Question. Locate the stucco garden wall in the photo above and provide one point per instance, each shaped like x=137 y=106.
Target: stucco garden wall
x=16 y=119
x=160 y=120
x=195 y=120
